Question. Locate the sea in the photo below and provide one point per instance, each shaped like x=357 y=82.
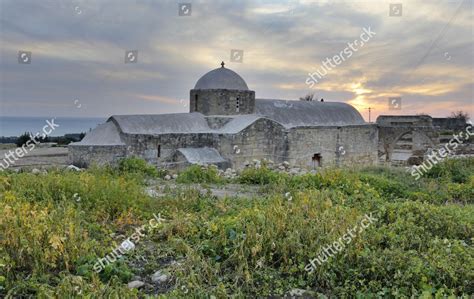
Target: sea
x=14 y=126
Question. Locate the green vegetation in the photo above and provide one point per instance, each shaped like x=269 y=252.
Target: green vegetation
x=199 y=174
x=53 y=227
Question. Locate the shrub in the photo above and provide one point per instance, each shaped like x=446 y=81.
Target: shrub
x=199 y=174
x=456 y=170
x=137 y=165
x=261 y=176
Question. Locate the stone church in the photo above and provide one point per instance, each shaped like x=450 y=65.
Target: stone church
x=227 y=126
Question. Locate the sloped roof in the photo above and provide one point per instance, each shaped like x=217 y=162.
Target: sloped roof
x=238 y=123
x=153 y=124
x=201 y=155
x=221 y=78
x=103 y=134
x=303 y=113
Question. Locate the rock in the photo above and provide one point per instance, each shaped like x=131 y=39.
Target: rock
x=246 y=163
x=167 y=177
x=73 y=168
x=281 y=167
x=136 y=284
x=159 y=277
x=150 y=192
x=294 y=171
x=174 y=176
x=271 y=162
x=296 y=292
x=286 y=164
x=35 y=171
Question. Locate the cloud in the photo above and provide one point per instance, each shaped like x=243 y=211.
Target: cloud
x=78 y=48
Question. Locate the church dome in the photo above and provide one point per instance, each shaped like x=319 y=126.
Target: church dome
x=221 y=78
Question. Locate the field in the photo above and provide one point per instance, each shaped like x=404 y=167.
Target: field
x=55 y=227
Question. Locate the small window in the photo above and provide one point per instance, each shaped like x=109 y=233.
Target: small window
x=317 y=160
x=237 y=105
x=158 y=151
x=195 y=103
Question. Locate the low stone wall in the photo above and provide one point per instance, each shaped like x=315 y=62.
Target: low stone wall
x=86 y=155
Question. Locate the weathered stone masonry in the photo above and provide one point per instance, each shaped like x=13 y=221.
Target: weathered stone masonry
x=228 y=126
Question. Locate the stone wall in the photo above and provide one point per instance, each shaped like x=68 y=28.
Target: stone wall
x=86 y=155
x=222 y=101
x=262 y=139
x=448 y=123
x=160 y=149
x=405 y=120
x=336 y=146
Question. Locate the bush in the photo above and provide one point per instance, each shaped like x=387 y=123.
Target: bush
x=261 y=176
x=199 y=174
x=137 y=165
x=456 y=170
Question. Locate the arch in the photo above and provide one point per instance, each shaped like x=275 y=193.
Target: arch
x=419 y=142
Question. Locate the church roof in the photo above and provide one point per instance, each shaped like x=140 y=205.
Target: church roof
x=153 y=124
x=308 y=113
x=239 y=122
x=104 y=134
x=221 y=78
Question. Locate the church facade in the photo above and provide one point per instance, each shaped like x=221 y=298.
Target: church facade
x=228 y=126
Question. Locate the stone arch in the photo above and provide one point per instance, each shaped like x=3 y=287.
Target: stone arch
x=420 y=140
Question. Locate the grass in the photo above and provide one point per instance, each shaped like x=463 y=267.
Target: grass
x=55 y=226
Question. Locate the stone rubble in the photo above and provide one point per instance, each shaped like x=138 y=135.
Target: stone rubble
x=136 y=284
x=159 y=277
x=231 y=173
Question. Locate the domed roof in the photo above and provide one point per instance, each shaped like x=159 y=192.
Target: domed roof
x=221 y=78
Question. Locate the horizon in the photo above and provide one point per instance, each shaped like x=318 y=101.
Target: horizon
x=420 y=53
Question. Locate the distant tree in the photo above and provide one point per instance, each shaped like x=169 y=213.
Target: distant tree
x=23 y=139
x=309 y=97
x=460 y=115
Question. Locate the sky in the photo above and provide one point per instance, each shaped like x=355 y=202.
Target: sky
x=420 y=53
